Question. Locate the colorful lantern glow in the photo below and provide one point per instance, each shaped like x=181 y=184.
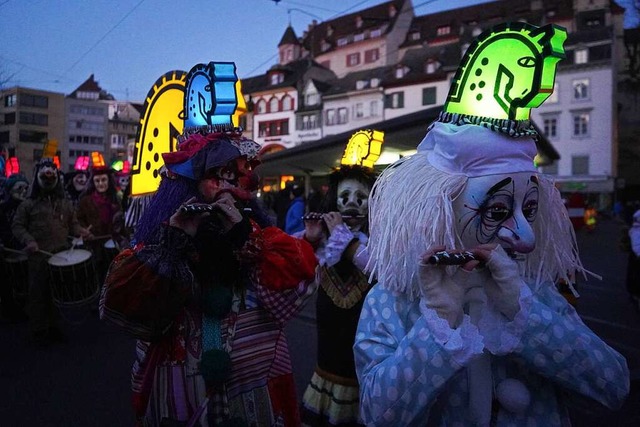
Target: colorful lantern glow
x=56 y=161
x=507 y=71
x=97 y=161
x=210 y=97
x=50 y=149
x=363 y=149
x=82 y=163
x=159 y=128
x=12 y=166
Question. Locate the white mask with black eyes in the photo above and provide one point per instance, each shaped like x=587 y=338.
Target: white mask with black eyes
x=353 y=201
x=499 y=209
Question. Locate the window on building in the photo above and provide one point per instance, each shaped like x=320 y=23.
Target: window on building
x=273 y=128
x=329 y=30
x=581 y=124
x=394 y=100
x=550 y=127
x=287 y=103
x=331 y=117
x=9 y=118
x=375 y=33
x=551 y=169
x=375 y=82
x=415 y=35
x=581 y=89
x=353 y=59
x=33 y=136
x=342 y=41
x=342 y=115
x=4 y=137
x=371 y=55
x=312 y=99
x=373 y=106
x=309 y=121
x=401 y=71
x=431 y=67
x=444 y=30
x=325 y=46
x=358 y=37
x=274 y=105
x=580 y=165
x=276 y=78
x=10 y=100
x=358 y=110
x=33 y=119
x=29 y=100
x=581 y=56
x=361 y=84
x=428 y=96
x=358 y=21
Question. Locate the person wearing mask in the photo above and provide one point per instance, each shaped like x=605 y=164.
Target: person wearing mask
x=207 y=289
x=42 y=225
x=15 y=188
x=339 y=236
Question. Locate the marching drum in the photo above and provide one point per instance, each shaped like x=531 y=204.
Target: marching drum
x=17 y=270
x=110 y=250
x=73 y=278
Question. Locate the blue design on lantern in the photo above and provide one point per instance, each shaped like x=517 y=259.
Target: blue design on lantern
x=210 y=96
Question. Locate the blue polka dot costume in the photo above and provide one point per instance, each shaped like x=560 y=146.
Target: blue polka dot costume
x=411 y=365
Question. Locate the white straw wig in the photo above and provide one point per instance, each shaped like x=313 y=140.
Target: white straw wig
x=410 y=209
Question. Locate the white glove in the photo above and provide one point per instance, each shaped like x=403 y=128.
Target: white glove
x=504 y=289
x=441 y=292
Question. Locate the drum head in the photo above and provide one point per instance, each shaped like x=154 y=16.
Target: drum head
x=16 y=258
x=110 y=244
x=69 y=257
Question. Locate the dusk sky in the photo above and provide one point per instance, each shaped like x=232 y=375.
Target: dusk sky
x=127 y=44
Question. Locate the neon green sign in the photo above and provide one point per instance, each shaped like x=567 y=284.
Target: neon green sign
x=506 y=71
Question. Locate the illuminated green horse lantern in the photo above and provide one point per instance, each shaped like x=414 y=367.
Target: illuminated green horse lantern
x=506 y=71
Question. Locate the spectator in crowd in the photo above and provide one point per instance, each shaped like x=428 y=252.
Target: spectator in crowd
x=293 y=221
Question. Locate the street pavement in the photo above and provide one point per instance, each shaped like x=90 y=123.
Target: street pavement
x=85 y=382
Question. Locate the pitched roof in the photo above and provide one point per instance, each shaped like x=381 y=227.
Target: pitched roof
x=348 y=82
x=460 y=21
x=91 y=85
x=330 y=31
x=289 y=37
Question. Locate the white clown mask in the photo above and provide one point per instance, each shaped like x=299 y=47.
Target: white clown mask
x=498 y=209
x=353 y=201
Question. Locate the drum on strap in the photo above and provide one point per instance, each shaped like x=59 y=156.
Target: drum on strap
x=17 y=274
x=110 y=250
x=73 y=278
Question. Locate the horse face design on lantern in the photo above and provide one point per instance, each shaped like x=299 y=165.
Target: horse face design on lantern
x=507 y=71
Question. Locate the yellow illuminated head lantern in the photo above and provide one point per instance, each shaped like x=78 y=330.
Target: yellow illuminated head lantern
x=180 y=102
x=506 y=71
x=363 y=149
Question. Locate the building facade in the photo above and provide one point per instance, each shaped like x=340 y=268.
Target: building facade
x=28 y=119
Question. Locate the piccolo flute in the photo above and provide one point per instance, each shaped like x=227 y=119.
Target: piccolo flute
x=319 y=216
x=193 y=209
x=451 y=258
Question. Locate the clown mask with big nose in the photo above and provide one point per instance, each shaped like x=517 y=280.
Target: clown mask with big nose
x=353 y=203
x=498 y=209
x=47 y=177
